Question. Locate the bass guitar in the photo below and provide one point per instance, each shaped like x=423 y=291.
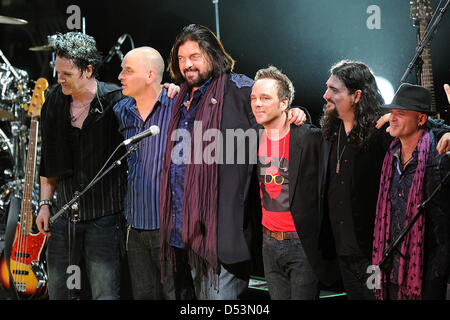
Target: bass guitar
x=26 y=268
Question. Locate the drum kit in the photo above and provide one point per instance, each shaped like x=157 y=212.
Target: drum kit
x=15 y=95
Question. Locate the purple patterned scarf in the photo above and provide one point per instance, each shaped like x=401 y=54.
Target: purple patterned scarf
x=411 y=268
x=200 y=204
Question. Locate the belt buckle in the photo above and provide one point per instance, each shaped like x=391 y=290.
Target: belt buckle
x=279 y=235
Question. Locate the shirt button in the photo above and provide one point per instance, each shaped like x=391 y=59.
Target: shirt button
x=342 y=182
x=341 y=222
x=186 y=123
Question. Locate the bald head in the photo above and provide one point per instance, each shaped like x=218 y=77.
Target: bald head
x=148 y=59
x=142 y=72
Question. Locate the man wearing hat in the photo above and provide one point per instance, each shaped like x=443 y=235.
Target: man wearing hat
x=412 y=169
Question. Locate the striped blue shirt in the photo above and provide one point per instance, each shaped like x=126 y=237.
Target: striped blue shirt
x=145 y=164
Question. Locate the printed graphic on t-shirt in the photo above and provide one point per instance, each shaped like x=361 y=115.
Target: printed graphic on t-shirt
x=273 y=174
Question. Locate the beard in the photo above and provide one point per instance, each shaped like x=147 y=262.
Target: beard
x=329 y=122
x=196 y=80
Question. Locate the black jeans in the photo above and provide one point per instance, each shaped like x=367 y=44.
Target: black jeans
x=97 y=242
x=287 y=270
x=145 y=268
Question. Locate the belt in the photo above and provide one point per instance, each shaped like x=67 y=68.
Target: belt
x=280 y=235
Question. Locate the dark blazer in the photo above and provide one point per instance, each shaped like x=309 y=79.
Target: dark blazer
x=232 y=224
x=304 y=149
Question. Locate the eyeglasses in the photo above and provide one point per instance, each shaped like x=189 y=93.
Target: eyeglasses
x=268 y=178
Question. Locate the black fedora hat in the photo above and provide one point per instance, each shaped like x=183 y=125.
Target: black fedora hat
x=411 y=97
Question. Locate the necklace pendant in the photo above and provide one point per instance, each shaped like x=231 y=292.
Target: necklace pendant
x=338 y=166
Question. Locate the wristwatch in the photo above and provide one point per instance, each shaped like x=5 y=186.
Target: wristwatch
x=45 y=202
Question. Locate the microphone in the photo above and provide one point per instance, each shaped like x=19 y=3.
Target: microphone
x=116 y=48
x=152 y=131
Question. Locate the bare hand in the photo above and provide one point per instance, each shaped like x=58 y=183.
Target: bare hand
x=172 y=89
x=296 y=116
x=42 y=220
x=382 y=121
x=447 y=91
x=444 y=144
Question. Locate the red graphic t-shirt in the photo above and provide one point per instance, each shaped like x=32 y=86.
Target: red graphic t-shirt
x=273 y=176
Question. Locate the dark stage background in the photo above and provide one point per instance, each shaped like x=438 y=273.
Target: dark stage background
x=302 y=37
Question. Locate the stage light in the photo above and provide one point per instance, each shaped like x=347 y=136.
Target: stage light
x=386 y=89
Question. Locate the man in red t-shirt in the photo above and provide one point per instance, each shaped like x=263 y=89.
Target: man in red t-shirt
x=287 y=159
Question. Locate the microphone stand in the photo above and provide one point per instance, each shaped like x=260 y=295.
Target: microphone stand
x=424 y=42
x=72 y=203
x=385 y=263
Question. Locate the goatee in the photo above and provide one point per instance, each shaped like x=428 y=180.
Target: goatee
x=329 y=122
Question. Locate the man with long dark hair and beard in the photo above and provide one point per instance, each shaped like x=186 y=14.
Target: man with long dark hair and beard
x=352 y=158
x=204 y=212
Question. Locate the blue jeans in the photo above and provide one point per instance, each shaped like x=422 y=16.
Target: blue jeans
x=145 y=266
x=97 y=243
x=229 y=286
x=231 y=282
x=288 y=273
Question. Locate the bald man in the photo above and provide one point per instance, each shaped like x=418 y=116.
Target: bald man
x=146 y=104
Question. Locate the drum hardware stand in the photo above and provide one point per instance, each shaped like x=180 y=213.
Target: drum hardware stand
x=13 y=71
x=51 y=42
x=18 y=131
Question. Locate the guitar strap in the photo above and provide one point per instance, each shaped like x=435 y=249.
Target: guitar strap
x=11 y=226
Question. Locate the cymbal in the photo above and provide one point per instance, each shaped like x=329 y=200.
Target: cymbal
x=46 y=47
x=10 y=20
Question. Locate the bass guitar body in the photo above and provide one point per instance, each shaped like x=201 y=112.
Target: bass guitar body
x=26 y=265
